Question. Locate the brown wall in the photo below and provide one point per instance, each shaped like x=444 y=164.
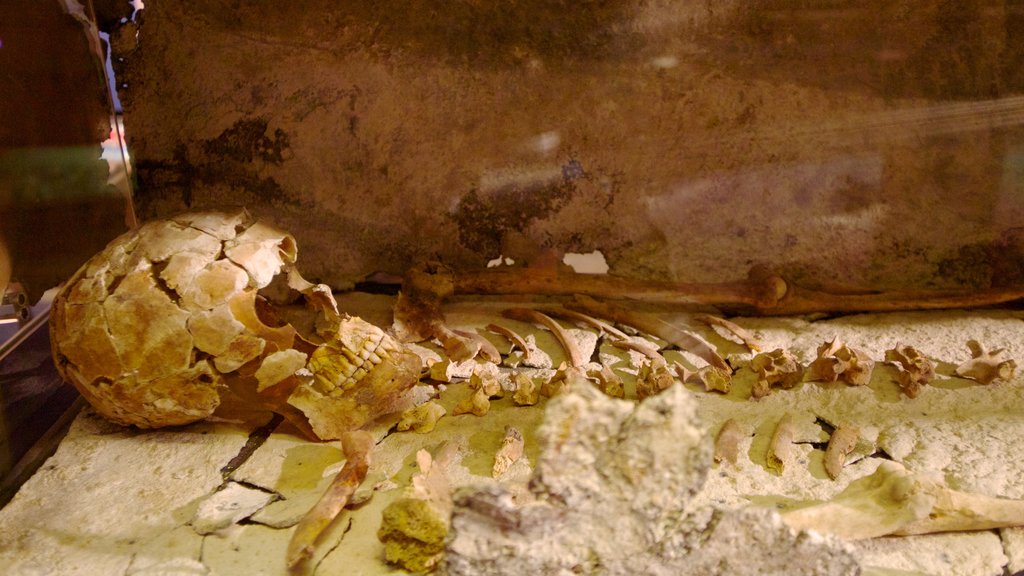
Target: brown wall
x=876 y=144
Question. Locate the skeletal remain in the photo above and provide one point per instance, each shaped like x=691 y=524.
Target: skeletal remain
x=986 y=366
x=837 y=361
x=510 y=452
x=526 y=393
x=513 y=337
x=422 y=418
x=309 y=532
x=727 y=441
x=778 y=368
x=749 y=340
x=780 y=450
x=418 y=314
x=914 y=370
x=587 y=320
x=894 y=501
x=653 y=325
x=653 y=378
x=477 y=402
x=486 y=348
x=714 y=379
x=572 y=350
x=637 y=345
x=175 y=318
x=550 y=387
x=843 y=441
x=414 y=527
x=608 y=382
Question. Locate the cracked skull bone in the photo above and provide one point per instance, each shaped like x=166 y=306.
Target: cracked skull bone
x=173 y=318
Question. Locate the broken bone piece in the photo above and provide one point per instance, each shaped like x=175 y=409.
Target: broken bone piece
x=837 y=361
x=607 y=381
x=986 y=366
x=894 y=501
x=727 y=441
x=414 y=528
x=477 y=402
x=748 y=339
x=778 y=368
x=780 y=449
x=486 y=349
x=526 y=393
x=573 y=351
x=309 y=532
x=486 y=377
x=843 y=441
x=714 y=379
x=513 y=337
x=914 y=370
x=509 y=453
x=652 y=324
x=421 y=419
x=653 y=378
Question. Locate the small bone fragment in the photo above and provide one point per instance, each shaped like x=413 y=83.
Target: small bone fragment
x=553 y=385
x=422 y=418
x=572 y=350
x=279 y=366
x=776 y=368
x=414 y=528
x=486 y=348
x=599 y=325
x=608 y=382
x=727 y=441
x=840 y=445
x=986 y=366
x=477 y=403
x=513 y=337
x=780 y=450
x=894 y=501
x=653 y=378
x=637 y=345
x=914 y=370
x=510 y=452
x=653 y=325
x=526 y=393
x=837 y=361
x=714 y=378
x=308 y=532
x=485 y=378
x=749 y=340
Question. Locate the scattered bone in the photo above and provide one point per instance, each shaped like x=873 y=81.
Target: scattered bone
x=422 y=418
x=653 y=378
x=780 y=450
x=837 y=361
x=309 y=532
x=572 y=350
x=587 y=320
x=447 y=370
x=637 y=345
x=843 y=441
x=778 y=368
x=714 y=379
x=526 y=393
x=510 y=452
x=608 y=381
x=486 y=378
x=653 y=325
x=894 y=501
x=414 y=528
x=478 y=402
x=553 y=385
x=749 y=340
x=986 y=366
x=486 y=348
x=513 y=337
x=914 y=370
x=418 y=314
x=727 y=441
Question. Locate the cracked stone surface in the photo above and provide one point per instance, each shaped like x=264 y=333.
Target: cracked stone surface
x=119 y=501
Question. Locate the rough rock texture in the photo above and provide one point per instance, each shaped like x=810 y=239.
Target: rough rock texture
x=612 y=495
x=682 y=140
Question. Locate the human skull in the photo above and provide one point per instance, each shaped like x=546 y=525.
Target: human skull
x=173 y=318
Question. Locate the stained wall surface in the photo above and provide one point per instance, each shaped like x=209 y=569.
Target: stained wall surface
x=876 y=144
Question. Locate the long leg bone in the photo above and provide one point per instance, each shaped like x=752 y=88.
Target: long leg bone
x=309 y=532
